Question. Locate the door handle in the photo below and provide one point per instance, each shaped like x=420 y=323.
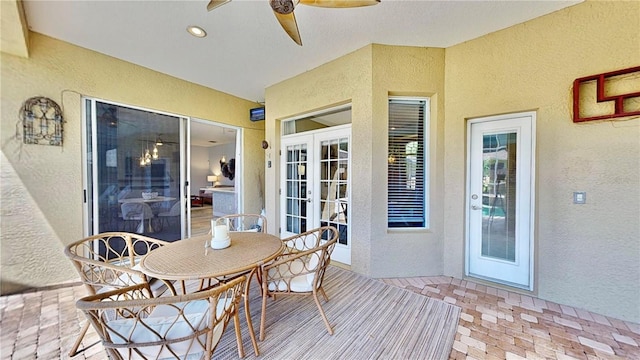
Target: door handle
x=309 y=200
x=475 y=207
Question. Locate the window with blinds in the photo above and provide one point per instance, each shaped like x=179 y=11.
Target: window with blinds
x=407 y=201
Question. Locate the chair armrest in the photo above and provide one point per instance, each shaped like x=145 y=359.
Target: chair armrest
x=288 y=266
x=103 y=274
x=288 y=257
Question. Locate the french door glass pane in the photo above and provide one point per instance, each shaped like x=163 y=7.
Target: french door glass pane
x=137 y=175
x=334 y=199
x=498 y=195
x=296 y=188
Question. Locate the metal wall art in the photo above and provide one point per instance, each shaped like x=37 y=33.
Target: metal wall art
x=42 y=121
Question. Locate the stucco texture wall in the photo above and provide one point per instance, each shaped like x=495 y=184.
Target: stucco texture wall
x=406 y=71
x=42 y=185
x=587 y=256
x=366 y=78
x=347 y=79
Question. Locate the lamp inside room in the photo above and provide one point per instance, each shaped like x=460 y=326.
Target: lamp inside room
x=212 y=179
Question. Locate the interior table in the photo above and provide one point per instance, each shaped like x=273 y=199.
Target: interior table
x=188 y=260
x=140 y=229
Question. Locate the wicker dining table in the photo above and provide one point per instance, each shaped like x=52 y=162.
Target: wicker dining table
x=188 y=259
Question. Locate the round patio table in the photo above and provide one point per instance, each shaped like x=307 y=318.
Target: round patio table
x=188 y=259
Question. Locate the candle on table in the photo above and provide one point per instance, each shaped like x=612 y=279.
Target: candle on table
x=221 y=232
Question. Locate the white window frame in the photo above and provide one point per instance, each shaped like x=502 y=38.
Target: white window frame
x=426 y=163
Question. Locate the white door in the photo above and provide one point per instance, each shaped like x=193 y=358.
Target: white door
x=500 y=188
x=296 y=191
x=316 y=186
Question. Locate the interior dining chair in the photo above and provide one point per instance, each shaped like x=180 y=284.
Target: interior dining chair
x=300 y=269
x=136 y=212
x=173 y=213
x=110 y=261
x=133 y=324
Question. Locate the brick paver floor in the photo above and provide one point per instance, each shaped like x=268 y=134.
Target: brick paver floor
x=494 y=324
x=499 y=324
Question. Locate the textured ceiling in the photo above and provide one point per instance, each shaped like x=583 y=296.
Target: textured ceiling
x=246 y=50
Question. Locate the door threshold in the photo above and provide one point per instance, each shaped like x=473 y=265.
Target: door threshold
x=504 y=285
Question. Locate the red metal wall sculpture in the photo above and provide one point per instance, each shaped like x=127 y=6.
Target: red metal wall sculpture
x=619 y=99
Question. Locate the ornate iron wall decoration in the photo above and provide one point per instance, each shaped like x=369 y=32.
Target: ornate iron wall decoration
x=42 y=121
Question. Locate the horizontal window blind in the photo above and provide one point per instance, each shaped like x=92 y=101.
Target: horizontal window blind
x=406 y=163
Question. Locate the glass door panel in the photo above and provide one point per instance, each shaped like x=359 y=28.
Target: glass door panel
x=334 y=201
x=135 y=177
x=297 y=198
x=498 y=195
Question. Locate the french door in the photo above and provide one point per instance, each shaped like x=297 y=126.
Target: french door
x=135 y=171
x=315 y=185
x=500 y=193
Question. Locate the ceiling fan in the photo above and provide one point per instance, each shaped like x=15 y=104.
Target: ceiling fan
x=159 y=141
x=283 y=10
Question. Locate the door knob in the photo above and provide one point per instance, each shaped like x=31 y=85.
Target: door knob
x=308 y=200
x=475 y=207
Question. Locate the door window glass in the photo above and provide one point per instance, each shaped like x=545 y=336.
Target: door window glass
x=137 y=171
x=499 y=154
x=334 y=199
x=296 y=187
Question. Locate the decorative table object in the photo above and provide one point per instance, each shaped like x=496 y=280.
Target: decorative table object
x=148 y=195
x=220 y=234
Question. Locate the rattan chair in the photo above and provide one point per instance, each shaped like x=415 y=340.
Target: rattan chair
x=109 y=261
x=300 y=269
x=245 y=222
x=132 y=324
x=242 y=223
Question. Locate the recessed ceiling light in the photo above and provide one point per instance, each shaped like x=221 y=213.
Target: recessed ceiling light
x=196 y=31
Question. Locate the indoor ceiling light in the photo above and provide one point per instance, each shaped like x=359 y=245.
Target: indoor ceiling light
x=196 y=31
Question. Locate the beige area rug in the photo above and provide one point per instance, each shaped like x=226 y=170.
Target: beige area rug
x=371 y=320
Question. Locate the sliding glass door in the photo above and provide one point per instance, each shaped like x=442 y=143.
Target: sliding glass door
x=135 y=171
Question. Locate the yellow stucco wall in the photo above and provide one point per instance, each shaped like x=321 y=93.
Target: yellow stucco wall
x=14 y=34
x=347 y=79
x=42 y=185
x=587 y=255
x=366 y=78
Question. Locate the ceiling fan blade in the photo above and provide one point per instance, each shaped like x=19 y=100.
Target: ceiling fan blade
x=288 y=22
x=339 y=3
x=216 y=3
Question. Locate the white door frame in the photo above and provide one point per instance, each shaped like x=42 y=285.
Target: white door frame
x=90 y=210
x=492 y=269
x=313 y=139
